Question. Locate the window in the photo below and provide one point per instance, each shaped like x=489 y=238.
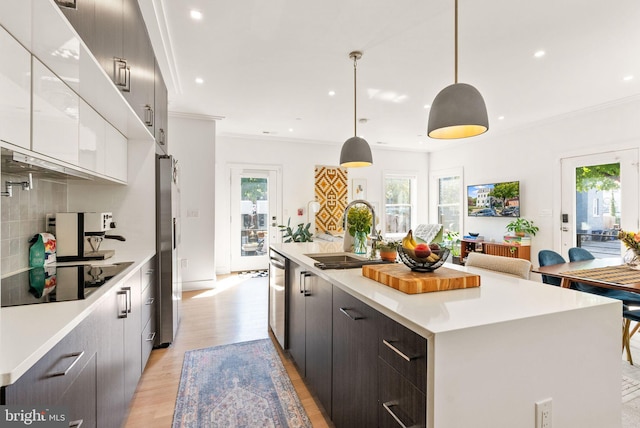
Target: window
x=400 y=204
x=596 y=207
x=447 y=203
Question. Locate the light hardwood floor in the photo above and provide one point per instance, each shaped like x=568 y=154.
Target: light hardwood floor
x=235 y=311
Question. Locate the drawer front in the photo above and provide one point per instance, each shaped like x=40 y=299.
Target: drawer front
x=400 y=403
x=53 y=374
x=403 y=350
x=147 y=337
x=148 y=273
x=148 y=306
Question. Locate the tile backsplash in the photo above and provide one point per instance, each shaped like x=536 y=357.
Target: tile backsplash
x=23 y=215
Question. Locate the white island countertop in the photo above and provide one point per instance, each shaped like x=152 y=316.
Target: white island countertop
x=500 y=298
x=28 y=332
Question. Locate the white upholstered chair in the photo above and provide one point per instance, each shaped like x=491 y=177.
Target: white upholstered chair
x=509 y=265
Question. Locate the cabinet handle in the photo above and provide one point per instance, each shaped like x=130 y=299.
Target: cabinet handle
x=397 y=351
x=122 y=313
x=151 y=337
x=302 y=285
x=354 y=318
x=77 y=355
x=150 y=272
x=387 y=406
x=161 y=138
x=122 y=74
x=129 y=305
x=150 y=301
x=148 y=115
x=76 y=424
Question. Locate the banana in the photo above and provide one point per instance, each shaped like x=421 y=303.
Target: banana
x=408 y=241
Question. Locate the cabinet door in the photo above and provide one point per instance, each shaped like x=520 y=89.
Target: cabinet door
x=355 y=359
x=15 y=87
x=140 y=58
x=83 y=20
x=296 y=316
x=401 y=403
x=161 y=112
x=132 y=332
x=112 y=405
x=80 y=397
x=55 y=116
x=91 y=142
x=108 y=40
x=318 y=292
x=115 y=154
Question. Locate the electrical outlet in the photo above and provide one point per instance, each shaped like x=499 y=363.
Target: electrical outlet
x=543 y=413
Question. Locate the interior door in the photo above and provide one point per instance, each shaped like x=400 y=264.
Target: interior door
x=255 y=202
x=596 y=201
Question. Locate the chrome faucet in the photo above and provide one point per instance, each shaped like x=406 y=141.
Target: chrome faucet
x=348 y=239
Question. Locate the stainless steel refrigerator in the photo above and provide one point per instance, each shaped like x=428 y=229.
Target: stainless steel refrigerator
x=167 y=248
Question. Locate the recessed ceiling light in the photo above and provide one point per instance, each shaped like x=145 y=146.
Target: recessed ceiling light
x=199 y=80
x=332 y=93
x=539 y=54
x=196 y=14
x=627 y=78
x=290 y=129
x=500 y=117
x=427 y=106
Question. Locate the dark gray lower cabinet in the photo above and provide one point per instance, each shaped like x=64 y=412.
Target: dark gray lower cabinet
x=296 y=311
x=401 y=403
x=355 y=358
x=318 y=292
x=66 y=376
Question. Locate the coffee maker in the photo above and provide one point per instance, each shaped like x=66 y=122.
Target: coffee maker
x=79 y=235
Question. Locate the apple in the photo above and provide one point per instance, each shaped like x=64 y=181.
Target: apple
x=422 y=251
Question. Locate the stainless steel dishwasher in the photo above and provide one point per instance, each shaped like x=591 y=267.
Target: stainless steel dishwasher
x=277 y=293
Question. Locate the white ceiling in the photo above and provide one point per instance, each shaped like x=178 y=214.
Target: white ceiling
x=268 y=65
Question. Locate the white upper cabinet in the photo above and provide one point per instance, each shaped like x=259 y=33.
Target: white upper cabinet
x=115 y=154
x=91 y=144
x=15 y=87
x=55 y=116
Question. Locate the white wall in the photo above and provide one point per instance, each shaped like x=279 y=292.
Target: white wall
x=532 y=156
x=298 y=161
x=192 y=143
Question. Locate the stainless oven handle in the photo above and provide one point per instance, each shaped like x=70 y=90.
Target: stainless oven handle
x=277 y=263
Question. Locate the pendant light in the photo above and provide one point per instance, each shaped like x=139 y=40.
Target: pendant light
x=458 y=111
x=355 y=151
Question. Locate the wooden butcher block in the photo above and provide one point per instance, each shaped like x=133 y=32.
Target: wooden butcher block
x=402 y=278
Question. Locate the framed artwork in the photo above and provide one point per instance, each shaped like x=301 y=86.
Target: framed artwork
x=358 y=188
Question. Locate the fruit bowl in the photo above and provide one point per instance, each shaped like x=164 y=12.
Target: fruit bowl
x=420 y=264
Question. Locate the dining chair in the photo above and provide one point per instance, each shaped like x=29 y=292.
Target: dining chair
x=629 y=315
x=549 y=257
x=509 y=265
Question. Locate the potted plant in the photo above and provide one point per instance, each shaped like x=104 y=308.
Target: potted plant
x=388 y=250
x=359 y=220
x=451 y=240
x=301 y=234
x=521 y=227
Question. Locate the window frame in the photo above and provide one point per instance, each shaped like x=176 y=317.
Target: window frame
x=434 y=200
x=413 y=177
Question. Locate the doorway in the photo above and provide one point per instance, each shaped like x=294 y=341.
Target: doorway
x=599 y=197
x=255 y=204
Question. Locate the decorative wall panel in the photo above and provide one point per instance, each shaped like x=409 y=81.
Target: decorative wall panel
x=331 y=193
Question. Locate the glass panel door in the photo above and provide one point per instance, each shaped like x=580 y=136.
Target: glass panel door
x=253 y=199
x=594 y=207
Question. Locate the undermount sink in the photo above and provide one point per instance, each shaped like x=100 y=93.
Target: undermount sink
x=341 y=260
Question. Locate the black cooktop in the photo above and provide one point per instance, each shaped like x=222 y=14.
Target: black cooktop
x=56 y=283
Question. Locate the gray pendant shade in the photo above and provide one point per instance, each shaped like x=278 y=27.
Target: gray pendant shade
x=458 y=111
x=355 y=153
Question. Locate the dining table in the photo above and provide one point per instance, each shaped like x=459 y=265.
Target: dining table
x=610 y=272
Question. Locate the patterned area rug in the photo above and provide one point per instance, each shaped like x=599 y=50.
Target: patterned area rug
x=238 y=385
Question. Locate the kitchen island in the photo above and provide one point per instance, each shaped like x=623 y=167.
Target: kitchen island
x=493 y=351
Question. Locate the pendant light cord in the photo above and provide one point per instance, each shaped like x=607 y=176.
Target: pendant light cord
x=355 y=114
x=455 y=26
